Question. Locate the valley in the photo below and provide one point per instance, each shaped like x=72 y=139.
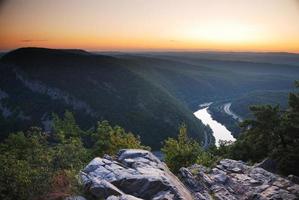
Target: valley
x=149 y=94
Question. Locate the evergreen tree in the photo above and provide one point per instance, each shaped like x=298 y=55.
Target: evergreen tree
x=66 y=127
x=181 y=152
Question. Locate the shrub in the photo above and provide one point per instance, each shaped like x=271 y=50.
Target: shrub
x=109 y=140
x=181 y=152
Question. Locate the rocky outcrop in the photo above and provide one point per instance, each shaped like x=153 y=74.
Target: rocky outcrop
x=232 y=179
x=75 y=198
x=138 y=174
x=133 y=175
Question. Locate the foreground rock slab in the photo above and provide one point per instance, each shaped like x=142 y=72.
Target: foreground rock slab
x=134 y=174
x=231 y=180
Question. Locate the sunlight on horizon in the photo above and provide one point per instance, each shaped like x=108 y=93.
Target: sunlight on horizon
x=223 y=33
x=229 y=25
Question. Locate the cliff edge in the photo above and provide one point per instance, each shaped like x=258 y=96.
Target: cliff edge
x=137 y=174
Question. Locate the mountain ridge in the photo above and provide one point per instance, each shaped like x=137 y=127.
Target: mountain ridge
x=111 y=90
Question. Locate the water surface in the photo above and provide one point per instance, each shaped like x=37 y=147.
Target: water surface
x=220 y=132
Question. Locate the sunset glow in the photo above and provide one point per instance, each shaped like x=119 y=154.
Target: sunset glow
x=130 y=25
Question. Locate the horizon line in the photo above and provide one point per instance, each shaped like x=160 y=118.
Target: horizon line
x=158 y=50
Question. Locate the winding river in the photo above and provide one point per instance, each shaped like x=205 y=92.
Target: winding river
x=220 y=132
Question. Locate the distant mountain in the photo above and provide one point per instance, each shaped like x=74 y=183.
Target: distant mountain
x=36 y=82
x=198 y=80
x=254 y=57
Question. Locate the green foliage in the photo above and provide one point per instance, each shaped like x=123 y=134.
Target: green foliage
x=109 y=140
x=65 y=127
x=69 y=155
x=34 y=165
x=25 y=165
x=207 y=159
x=18 y=179
x=272 y=133
x=181 y=152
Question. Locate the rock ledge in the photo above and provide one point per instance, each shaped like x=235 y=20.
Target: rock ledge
x=232 y=180
x=134 y=174
x=137 y=174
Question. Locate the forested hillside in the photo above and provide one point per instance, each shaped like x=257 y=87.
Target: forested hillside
x=36 y=82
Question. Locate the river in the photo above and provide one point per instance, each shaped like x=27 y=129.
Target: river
x=227 y=110
x=220 y=132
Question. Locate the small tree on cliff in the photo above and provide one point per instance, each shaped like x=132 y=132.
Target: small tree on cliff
x=109 y=140
x=181 y=152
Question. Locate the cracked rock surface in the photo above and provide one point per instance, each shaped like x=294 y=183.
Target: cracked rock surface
x=231 y=180
x=134 y=174
x=137 y=174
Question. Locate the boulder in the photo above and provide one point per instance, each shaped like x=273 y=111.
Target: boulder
x=75 y=198
x=134 y=172
x=232 y=179
x=123 y=197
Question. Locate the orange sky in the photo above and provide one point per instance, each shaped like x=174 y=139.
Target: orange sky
x=234 y=25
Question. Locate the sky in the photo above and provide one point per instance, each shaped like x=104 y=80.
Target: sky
x=151 y=25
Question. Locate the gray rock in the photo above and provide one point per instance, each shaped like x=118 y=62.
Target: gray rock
x=164 y=196
x=220 y=178
x=134 y=172
x=230 y=165
x=123 y=197
x=262 y=175
x=202 y=196
x=190 y=180
x=102 y=188
x=138 y=174
x=107 y=157
x=294 y=189
x=198 y=188
x=232 y=179
x=236 y=170
x=75 y=198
